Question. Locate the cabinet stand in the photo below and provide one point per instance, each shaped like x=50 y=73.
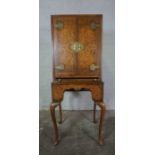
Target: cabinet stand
x=58 y=89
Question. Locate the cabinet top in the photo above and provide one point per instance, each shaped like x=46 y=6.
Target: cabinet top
x=76 y=15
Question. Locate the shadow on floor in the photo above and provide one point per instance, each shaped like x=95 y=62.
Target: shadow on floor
x=78 y=134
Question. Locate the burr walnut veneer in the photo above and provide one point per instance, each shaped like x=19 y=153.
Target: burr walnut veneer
x=77 y=62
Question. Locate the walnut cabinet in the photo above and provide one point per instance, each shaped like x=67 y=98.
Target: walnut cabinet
x=77 y=50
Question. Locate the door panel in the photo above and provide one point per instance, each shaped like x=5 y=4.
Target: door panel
x=77 y=45
x=89 y=28
x=64 y=33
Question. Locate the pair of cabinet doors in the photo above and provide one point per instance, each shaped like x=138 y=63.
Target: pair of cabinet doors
x=76 y=45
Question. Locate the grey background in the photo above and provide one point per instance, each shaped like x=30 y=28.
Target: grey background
x=77 y=101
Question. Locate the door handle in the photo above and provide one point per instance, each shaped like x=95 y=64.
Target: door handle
x=93 y=67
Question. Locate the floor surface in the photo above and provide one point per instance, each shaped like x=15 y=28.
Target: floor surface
x=78 y=134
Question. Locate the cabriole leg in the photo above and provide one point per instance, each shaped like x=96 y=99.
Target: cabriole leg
x=102 y=114
x=94 y=113
x=60 y=111
x=56 y=134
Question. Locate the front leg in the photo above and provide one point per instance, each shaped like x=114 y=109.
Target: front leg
x=102 y=113
x=60 y=112
x=94 y=113
x=56 y=134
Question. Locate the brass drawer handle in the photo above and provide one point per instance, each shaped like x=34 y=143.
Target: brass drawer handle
x=60 y=67
x=93 y=67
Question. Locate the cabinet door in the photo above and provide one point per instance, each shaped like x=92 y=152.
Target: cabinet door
x=89 y=34
x=64 y=33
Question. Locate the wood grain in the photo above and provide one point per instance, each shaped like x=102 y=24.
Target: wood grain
x=76 y=75
x=77 y=29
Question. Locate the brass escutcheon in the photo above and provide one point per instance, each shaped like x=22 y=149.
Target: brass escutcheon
x=76 y=47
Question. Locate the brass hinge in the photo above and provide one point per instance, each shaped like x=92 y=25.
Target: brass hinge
x=94 y=25
x=93 y=67
x=60 y=67
x=59 y=25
